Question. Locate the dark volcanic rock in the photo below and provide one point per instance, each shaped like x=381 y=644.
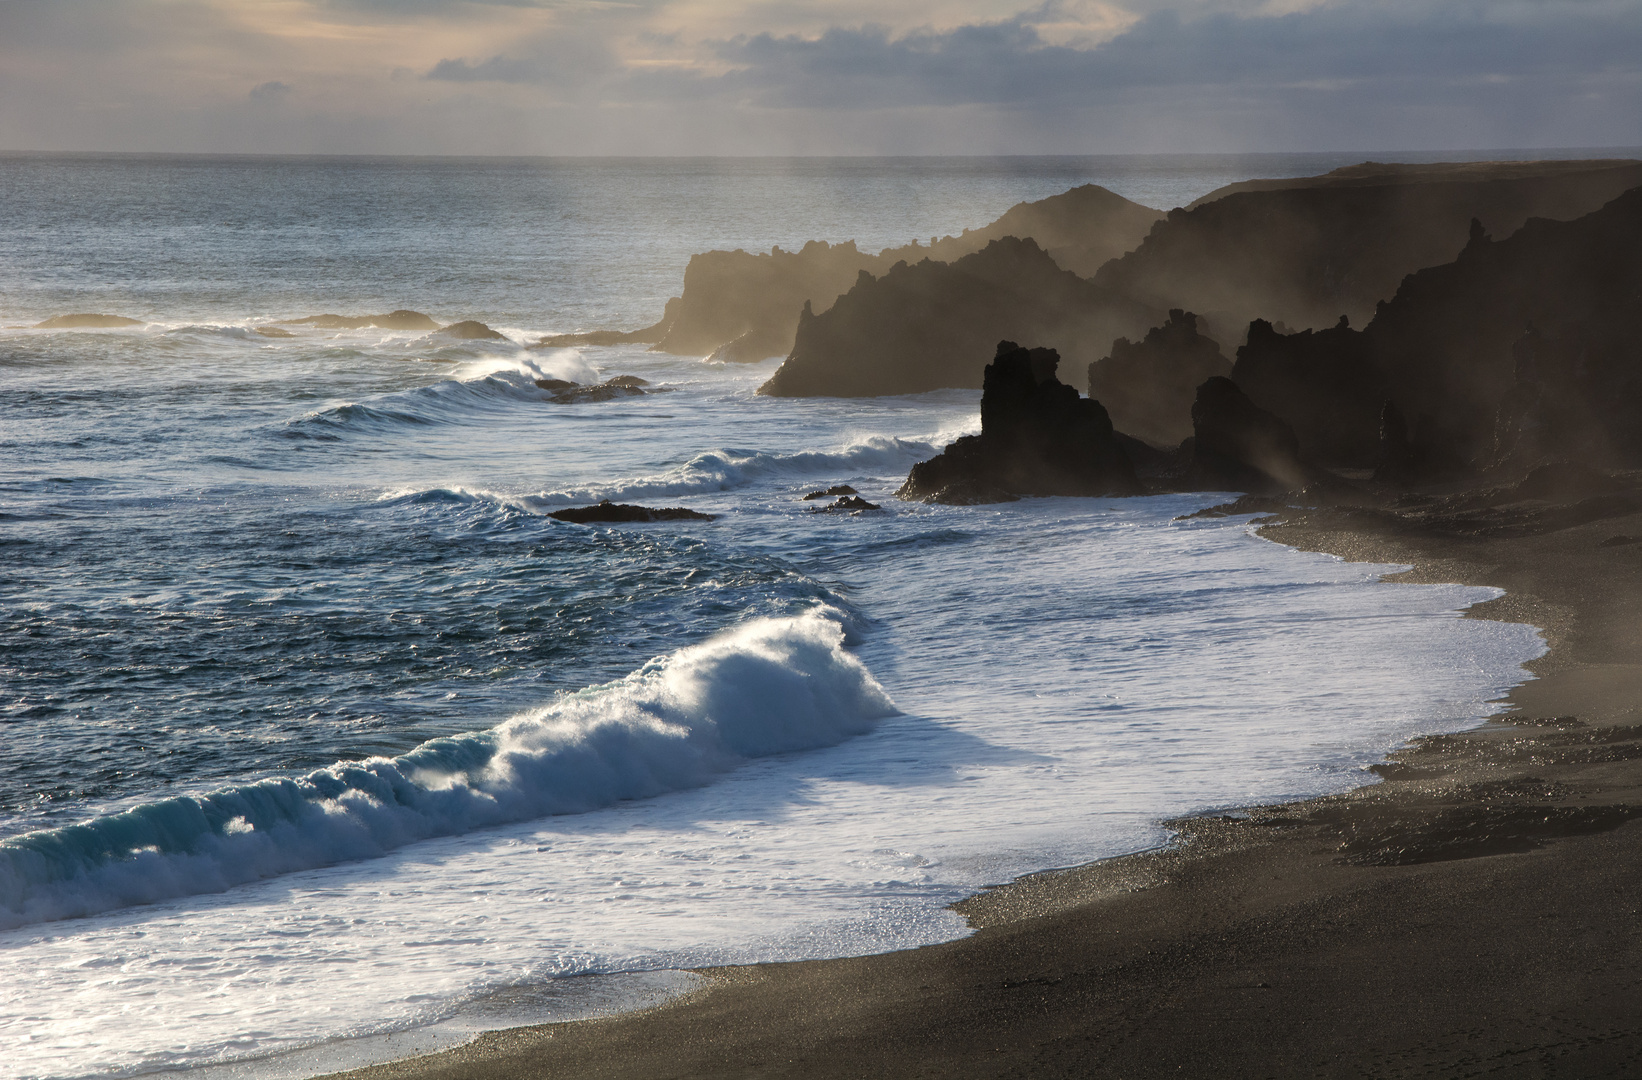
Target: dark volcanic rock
x=470 y=330
x=1148 y=386
x=836 y=489
x=609 y=511
x=86 y=322
x=1038 y=437
x=569 y=393
x=1239 y=446
x=402 y=319
x=1304 y=254
x=848 y=503
x=1324 y=383
x=934 y=325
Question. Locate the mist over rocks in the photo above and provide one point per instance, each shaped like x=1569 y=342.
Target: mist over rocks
x=933 y=325
x=1038 y=437
x=1081 y=229
x=1305 y=251
x=1238 y=446
x=1519 y=352
x=1148 y=386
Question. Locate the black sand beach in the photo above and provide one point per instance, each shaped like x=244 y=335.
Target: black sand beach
x=1474 y=913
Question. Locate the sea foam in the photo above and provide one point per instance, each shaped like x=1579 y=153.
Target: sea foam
x=766 y=687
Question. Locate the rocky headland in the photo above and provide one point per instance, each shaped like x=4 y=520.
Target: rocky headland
x=740 y=306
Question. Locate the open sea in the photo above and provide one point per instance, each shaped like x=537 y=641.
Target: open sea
x=321 y=743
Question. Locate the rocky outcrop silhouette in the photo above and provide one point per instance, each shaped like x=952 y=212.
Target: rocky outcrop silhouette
x=1520 y=351
x=1038 y=437
x=1148 y=386
x=1304 y=252
x=740 y=306
x=934 y=325
x=1238 y=446
x=402 y=319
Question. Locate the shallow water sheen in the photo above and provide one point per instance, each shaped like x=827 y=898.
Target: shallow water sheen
x=316 y=725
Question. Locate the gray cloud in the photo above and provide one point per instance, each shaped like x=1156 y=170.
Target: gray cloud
x=1336 y=47
x=270 y=91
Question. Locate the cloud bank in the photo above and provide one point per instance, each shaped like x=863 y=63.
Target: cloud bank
x=785 y=76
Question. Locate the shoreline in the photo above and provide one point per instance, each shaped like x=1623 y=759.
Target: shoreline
x=1472 y=912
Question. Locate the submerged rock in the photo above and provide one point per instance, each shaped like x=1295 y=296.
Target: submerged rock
x=569 y=393
x=403 y=319
x=87 y=322
x=847 y=503
x=470 y=330
x=836 y=489
x=649 y=335
x=1038 y=437
x=609 y=511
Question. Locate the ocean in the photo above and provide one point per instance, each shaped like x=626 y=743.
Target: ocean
x=323 y=744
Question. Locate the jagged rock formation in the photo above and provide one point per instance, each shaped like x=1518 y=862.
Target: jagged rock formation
x=1238 y=446
x=1519 y=351
x=932 y=325
x=739 y=306
x=1148 y=386
x=402 y=319
x=1322 y=382
x=1038 y=437
x=566 y=392
x=625 y=512
x=1306 y=252
x=86 y=322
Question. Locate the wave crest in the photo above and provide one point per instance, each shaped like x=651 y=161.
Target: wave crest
x=768 y=686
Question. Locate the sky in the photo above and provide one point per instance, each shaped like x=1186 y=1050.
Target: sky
x=817 y=76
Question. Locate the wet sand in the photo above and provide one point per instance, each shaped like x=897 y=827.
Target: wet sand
x=1479 y=912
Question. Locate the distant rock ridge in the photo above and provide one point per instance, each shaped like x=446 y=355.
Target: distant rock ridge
x=1038 y=437
x=738 y=306
x=931 y=325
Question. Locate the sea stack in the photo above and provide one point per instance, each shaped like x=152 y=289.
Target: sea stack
x=1038 y=437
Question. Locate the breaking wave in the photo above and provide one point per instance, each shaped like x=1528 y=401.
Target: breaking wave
x=766 y=687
